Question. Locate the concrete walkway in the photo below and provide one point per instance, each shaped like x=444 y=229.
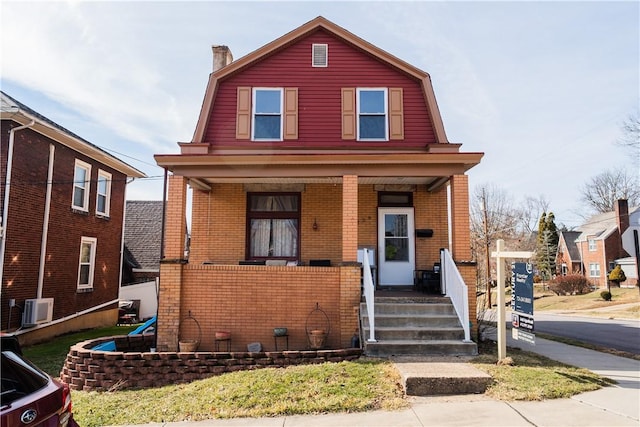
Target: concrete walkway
x=617 y=405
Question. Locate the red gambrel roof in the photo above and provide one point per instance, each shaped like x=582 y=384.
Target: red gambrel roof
x=299 y=33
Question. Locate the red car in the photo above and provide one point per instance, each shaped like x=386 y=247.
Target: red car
x=29 y=396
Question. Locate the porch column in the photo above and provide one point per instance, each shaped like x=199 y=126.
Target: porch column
x=350 y=269
x=349 y=218
x=460 y=235
x=461 y=241
x=176 y=218
x=171 y=266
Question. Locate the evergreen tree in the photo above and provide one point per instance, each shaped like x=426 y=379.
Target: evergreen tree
x=617 y=275
x=547 y=245
x=554 y=238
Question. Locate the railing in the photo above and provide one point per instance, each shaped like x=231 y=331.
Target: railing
x=367 y=282
x=456 y=289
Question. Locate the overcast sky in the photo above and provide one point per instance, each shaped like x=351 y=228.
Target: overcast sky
x=542 y=88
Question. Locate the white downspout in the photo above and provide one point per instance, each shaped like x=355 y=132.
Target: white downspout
x=7 y=190
x=45 y=225
x=124 y=224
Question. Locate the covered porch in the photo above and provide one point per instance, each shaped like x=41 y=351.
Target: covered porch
x=339 y=213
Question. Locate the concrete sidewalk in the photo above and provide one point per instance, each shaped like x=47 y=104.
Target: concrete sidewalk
x=617 y=405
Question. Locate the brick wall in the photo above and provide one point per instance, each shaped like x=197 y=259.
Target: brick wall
x=249 y=301
x=218 y=225
x=66 y=227
x=460 y=235
x=134 y=366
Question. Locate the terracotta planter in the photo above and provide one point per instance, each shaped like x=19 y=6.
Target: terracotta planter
x=222 y=335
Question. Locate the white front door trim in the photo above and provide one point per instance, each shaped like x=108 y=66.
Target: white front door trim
x=396 y=246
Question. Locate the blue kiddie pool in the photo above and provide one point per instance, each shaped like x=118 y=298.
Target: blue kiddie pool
x=146 y=328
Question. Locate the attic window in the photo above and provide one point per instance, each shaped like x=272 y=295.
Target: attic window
x=319 y=55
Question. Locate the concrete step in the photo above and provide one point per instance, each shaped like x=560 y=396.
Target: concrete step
x=412 y=321
x=389 y=348
x=440 y=376
x=415 y=326
x=417 y=333
x=408 y=309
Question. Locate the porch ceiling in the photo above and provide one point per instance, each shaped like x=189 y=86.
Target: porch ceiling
x=387 y=168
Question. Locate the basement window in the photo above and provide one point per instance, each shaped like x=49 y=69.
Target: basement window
x=319 y=55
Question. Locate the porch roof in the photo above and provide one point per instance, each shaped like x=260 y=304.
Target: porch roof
x=432 y=169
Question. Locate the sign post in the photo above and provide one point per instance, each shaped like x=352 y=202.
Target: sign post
x=500 y=255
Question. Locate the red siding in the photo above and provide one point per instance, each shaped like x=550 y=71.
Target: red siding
x=319 y=105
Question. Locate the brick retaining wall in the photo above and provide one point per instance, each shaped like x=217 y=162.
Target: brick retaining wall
x=134 y=366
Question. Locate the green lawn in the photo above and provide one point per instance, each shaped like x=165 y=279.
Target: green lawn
x=311 y=389
x=50 y=356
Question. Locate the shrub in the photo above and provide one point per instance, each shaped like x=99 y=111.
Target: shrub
x=617 y=275
x=570 y=285
x=606 y=295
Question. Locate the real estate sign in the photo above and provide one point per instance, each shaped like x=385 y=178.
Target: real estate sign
x=522 y=301
x=522 y=281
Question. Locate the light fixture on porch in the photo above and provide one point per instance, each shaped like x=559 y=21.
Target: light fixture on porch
x=315 y=224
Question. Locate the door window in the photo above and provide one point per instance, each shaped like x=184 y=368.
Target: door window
x=396 y=237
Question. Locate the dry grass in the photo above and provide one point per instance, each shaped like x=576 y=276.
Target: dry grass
x=625 y=303
x=533 y=377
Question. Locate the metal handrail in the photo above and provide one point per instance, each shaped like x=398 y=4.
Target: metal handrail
x=367 y=280
x=456 y=289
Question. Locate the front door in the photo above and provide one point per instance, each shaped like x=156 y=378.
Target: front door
x=396 y=246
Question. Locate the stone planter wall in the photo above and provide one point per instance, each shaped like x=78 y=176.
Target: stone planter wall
x=134 y=366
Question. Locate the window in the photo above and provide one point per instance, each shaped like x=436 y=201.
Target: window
x=592 y=245
x=319 y=55
x=273 y=225
x=267 y=114
x=594 y=269
x=87 y=262
x=372 y=114
x=103 y=197
x=81 y=184
x=393 y=199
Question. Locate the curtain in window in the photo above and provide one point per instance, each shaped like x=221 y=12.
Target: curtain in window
x=274 y=237
x=285 y=236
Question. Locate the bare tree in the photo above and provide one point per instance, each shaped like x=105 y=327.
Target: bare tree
x=630 y=138
x=532 y=209
x=494 y=216
x=601 y=191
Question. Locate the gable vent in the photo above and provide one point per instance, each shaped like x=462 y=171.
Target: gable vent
x=319 y=55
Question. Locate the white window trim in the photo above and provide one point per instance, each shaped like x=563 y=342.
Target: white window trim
x=92 y=261
x=592 y=244
x=107 y=204
x=386 y=112
x=594 y=267
x=325 y=62
x=87 y=187
x=253 y=113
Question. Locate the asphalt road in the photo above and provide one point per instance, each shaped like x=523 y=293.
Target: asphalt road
x=618 y=334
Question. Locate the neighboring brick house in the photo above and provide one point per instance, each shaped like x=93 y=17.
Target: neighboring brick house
x=62 y=215
x=596 y=247
x=568 y=259
x=307 y=150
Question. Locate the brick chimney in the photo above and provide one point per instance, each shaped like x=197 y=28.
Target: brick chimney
x=622 y=215
x=221 y=57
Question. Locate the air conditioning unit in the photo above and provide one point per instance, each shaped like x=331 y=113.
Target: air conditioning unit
x=37 y=311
